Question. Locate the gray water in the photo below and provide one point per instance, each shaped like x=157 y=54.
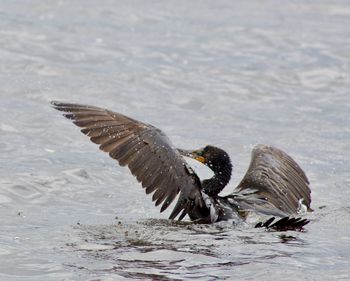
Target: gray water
x=227 y=73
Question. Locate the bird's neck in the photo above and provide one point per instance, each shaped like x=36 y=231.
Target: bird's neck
x=214 y=185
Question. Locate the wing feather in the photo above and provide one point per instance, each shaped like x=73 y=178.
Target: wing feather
x=148 y=153
x=273 y=176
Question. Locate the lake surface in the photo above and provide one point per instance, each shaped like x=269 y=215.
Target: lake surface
x=227 y=73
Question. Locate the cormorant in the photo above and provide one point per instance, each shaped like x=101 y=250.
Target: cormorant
x=273 y=185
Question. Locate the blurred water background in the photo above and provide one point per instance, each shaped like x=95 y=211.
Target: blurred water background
x=227 y=73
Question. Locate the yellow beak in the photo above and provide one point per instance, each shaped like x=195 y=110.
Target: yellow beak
x=200 y=159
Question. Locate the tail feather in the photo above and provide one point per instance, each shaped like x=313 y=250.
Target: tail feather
x=284 y=224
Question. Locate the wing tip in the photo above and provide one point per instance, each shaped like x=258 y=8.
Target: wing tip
x=54 y=102
x=58 y=105
x=177 y=209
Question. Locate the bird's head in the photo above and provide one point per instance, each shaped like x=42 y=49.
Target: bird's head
x=213 y=157
x=218 y=161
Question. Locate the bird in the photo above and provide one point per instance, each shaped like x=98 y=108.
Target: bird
x=274 y=184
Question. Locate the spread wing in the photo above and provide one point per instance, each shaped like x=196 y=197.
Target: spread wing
x=148 y=153
x=274 y=180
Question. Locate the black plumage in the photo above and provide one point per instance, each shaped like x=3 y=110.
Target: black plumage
x=274 y=183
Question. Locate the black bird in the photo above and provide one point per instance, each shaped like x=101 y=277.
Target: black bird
x=273 y=185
